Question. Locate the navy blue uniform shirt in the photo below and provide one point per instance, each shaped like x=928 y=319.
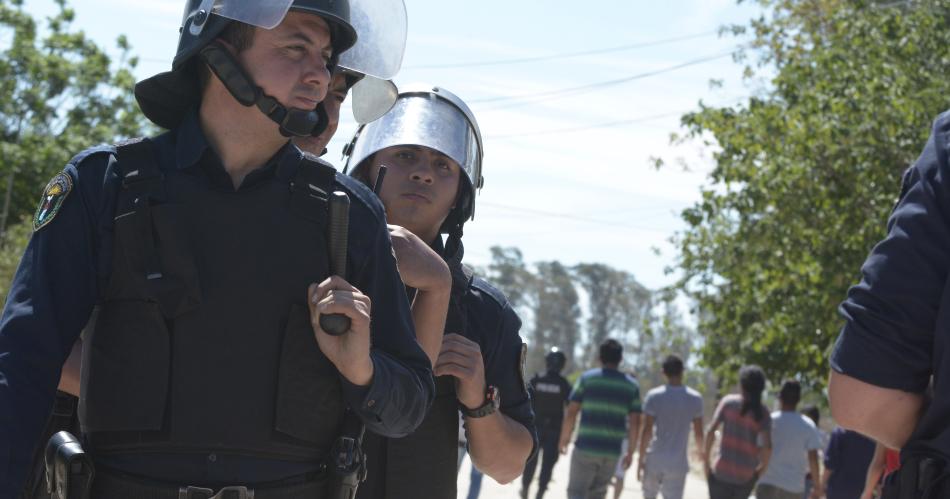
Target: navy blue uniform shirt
x=898 y=317
x=493 y=324
x=59 y=279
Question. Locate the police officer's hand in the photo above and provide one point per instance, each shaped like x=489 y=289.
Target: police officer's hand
x=349 y=352
x=462 y=358
x=420 y=267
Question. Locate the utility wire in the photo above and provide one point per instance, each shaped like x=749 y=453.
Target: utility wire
x=564 y=216
x=567 y=55
x=609 y=124
x=552 y=94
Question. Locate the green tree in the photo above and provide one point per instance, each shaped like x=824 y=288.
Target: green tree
x=806 y=173
x=12 y=244
x=59 y=93
x=556 y=314
x=617 y=305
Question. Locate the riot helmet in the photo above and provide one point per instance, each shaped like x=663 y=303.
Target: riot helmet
x=166 y=98
x=376 y=56
x=430 y=117
x=555 y=360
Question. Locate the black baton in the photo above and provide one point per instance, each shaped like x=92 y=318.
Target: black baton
x=337 y=231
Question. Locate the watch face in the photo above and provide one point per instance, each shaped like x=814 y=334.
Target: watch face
x=494 y=395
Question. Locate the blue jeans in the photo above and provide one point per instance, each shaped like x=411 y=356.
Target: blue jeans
x=475 y=483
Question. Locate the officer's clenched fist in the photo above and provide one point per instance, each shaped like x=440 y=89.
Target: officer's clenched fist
x=349 y=352
x=462 y=358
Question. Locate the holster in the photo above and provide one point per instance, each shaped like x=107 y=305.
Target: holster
x=920 y=477
x=69 y=471
x=347 y=463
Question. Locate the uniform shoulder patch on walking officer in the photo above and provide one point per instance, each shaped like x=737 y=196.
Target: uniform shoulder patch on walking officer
x=521 y=367
x=53 y=196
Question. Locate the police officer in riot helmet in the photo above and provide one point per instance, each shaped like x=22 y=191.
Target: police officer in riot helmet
x=204 y=251
x=549 y=397
x=430 y=146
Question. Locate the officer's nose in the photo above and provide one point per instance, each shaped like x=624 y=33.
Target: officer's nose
x=317 y=75
x=422 y=174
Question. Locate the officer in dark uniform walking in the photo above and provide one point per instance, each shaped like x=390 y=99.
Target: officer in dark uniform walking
x=431 y=146
x=207 y=372
x=549 y=397
x=897 y=332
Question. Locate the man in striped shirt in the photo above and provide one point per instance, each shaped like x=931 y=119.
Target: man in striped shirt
x=609 y=404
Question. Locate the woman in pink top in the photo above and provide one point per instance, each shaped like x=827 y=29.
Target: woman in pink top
x=746 y=443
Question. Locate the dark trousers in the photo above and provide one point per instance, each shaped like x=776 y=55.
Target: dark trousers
x=548 y=454
x=719 y=489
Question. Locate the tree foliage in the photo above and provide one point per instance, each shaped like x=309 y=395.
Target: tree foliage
x=806 y=173
x=59 y=94
x=576 y=308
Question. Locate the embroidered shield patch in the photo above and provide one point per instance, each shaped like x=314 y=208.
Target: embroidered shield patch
x=53 y=197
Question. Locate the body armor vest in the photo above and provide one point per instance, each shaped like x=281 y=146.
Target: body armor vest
x=203 y=340
x=424 y=463
x=548 y=400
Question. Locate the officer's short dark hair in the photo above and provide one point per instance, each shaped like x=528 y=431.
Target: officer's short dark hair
x=238 y=35
x=611 y=352
x=791 y=392
x=673 y=366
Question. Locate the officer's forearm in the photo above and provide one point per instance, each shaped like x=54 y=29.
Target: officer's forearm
x=428 y=314
x=886 y=415
x=499 y=446
x=69 y=380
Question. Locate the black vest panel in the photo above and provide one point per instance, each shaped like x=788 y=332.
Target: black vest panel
x=548 y=401
x=203 y=342
x=424 y=463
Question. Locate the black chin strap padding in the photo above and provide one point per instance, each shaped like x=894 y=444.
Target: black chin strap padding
x=227 y=69
x=302 y=122
x=293 y=122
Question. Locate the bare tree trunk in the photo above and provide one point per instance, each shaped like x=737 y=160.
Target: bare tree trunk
x=6 y=202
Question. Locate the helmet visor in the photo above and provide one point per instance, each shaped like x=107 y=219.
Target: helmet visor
x=423 y=120
x=381 y=27
x=265 y=14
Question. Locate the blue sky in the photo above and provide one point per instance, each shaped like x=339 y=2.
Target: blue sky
x=556 y=187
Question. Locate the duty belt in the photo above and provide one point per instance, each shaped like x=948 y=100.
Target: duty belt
x=111 y=485
x=919 y=478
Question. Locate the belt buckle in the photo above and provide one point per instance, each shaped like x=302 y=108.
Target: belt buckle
x=233 y=492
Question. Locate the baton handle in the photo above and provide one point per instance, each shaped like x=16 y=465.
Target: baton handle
x=337 y=232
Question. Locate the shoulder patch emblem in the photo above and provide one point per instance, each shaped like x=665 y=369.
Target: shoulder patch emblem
x=53 y=197
x=521 y=367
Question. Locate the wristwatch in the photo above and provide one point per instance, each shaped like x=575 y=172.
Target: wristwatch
x=491 y=404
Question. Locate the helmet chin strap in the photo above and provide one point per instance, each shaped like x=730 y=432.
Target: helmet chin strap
x=293 y=122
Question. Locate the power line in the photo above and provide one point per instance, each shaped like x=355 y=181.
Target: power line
x=609 y=124
x=566 y=216
x=567 y=55
x=542 y=96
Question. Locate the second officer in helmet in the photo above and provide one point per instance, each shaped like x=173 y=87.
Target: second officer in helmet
x=204 y=251
x=431 y=147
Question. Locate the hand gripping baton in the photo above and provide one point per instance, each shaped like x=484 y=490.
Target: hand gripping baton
x=337 y=231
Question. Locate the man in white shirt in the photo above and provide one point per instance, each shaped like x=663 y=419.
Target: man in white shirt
x=795 y=444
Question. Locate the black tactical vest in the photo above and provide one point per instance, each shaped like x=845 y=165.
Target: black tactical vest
x=548 y=400
x=203 y=341
x=423 y=464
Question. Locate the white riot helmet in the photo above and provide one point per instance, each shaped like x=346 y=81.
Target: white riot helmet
x=430 y=117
